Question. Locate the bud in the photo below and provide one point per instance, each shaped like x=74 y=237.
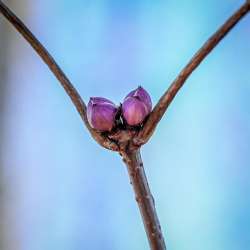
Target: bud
x=136 y=106
x=101 y=113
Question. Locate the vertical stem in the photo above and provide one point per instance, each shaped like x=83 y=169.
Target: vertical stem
x=144 y=199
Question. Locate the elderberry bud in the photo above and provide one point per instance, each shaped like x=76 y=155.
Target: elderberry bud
x=101 y=113
x=136 y=106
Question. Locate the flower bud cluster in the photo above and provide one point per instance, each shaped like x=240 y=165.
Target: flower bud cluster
x=103 y=115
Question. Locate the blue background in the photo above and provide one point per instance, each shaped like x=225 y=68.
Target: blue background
x=64 y=190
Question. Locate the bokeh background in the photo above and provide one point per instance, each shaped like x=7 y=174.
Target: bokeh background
x=59 y=190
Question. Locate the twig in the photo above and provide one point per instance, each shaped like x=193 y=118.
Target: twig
x=128 y=144
x=57 y=71
x=169 y=95
x=144 y=199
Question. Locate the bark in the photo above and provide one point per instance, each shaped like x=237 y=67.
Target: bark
x=124 y=141
x=144 y=198
x=164 y=102
x=59 y=74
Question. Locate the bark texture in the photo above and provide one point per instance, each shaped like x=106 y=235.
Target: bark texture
x=144 y=198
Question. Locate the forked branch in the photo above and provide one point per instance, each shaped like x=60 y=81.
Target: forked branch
x=169 y=95
x=57 y=71
x=131 y=143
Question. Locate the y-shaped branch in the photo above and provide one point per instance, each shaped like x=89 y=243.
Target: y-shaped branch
x=169 y=95
x=57 y=71
x=132 y=157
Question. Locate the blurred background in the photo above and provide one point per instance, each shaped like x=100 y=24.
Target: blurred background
x=59 y=190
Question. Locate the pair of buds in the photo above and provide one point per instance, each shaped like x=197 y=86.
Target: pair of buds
x=103 y=114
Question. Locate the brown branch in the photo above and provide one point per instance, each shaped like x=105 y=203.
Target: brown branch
x=130 y=151
x=144 y=199
x=57 y=71
x=169 y=95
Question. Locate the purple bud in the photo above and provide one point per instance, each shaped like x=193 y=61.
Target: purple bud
x=101 y=113
x=136 y=106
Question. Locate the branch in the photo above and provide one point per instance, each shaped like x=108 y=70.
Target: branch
x=144 y=199
x=169 y=95
x=59 y=74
